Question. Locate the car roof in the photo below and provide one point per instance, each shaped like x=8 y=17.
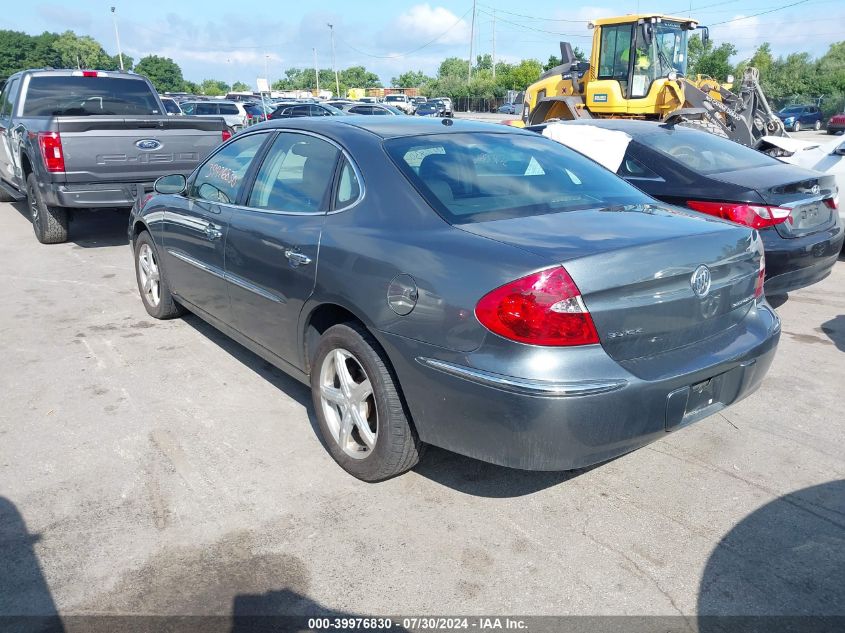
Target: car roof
x=393 y=126
x=634 y=129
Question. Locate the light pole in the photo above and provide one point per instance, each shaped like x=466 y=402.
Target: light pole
x=334 y=62
x=316 y=71
x=117 y=37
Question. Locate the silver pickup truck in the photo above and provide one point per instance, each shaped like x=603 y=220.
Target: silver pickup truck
x=73 y=139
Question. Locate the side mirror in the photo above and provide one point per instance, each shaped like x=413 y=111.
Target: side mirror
x=172 y=184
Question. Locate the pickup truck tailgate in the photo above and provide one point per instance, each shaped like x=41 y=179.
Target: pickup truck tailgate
x=122 y=149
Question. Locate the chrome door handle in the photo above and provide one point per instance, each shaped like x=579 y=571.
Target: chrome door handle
x=297 y=259
x=212 y=232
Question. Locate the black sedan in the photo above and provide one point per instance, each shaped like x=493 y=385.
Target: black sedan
x=293 y=110
x=794 y=209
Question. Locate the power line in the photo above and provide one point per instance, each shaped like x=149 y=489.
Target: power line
x=532 y=17
x=533 y=28
x=400 y=55
x=754 y=15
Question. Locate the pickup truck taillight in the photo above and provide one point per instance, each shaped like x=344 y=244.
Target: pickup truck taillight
x=226 y=135
x=51 y=150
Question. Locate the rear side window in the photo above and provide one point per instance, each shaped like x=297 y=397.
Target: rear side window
x=220 y=179
x=348 y=187
x=705 y=153
x=8 y=97
x=633 y=169
x=296 y=175
x=228 y=108
x=482 y=177
x=86 y=96
x=206 y=109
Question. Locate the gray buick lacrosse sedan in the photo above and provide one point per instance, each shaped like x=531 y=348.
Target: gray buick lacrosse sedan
x=476 y=287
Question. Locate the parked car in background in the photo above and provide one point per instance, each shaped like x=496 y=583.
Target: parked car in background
x=305 y=109
x=560 y=316
x=401 y=102
x=372 y=108
x=233 y=113
x=447 y=106
x=836 y=124
x=507 y=108
x=827 y=158
x=368 y=100
x=338 y=103
x=171 y=107
x=431 y=108
x=793 y=209
x=82 y=139
x=798 y=117
x=416 y=101
x=255 y=112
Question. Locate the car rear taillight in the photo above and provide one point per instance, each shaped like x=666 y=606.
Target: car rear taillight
x=226 y=135
x=761 y=278
x=51 y=150
x=833 y=203
x=545 y=308
x=755 y=216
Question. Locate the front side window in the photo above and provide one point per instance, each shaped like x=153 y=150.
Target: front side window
x=296 y=175
x=482 y=177
x=221 y=178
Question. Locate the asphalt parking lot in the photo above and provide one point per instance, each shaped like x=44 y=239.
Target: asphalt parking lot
x=157 y=467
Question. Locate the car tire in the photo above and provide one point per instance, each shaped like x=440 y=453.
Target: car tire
x=817 y=126
x=152 y=284
x=369 y=434
x=49 y=223
x=796 y=127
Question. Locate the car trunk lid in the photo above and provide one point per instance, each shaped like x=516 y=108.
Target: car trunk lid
x=802 y=191
x=634 y=267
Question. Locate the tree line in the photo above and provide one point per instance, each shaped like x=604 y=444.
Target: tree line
x=794 y=78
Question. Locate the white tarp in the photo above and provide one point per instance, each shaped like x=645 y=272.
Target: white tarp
x=606 y=147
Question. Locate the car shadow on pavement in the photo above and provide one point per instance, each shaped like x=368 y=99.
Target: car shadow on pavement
x=25 y=600
x=275 y=376
x=777 y=301
x=482 y=479
x=785 y=560
x=91 y=228
x=835 y=330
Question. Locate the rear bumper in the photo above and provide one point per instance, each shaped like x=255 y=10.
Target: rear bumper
x=802 y=261
x=95 y=195
x=578 y=406
x=834 y=128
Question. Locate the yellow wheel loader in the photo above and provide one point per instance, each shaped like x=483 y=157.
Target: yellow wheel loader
x=637 y=69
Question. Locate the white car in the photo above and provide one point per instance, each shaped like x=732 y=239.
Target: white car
x=400 y=101
x=827 y=157
x=230 y=111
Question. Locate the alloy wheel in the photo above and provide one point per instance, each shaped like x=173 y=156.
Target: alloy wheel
x=348 y=403
x=148 y=274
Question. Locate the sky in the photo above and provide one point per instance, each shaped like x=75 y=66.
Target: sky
x=232 y=40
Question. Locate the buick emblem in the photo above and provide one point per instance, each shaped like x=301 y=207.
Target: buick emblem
x=700 y=281
x=148 y=144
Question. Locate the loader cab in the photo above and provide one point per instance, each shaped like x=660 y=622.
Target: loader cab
x=634 y=58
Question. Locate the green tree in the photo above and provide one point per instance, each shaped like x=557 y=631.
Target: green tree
x=214 y=87
x=451 y=67
x=163 y=72
x=707 y=59
x=240 y=86
x=410 y=79
x=554 y=60
x=358 y=77
x=81 y=52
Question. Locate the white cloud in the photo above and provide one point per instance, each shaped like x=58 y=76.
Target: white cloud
x=422 y=23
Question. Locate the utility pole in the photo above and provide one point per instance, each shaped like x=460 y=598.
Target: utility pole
x=316 y=71
x=494 y=44
x=334 y=64
x=117 y=37
x=266 y=71
x=471 y=38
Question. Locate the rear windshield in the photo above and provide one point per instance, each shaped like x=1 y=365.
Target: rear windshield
x=252 y=109
x=83 y=96
x=705 y=153
x=481 y=177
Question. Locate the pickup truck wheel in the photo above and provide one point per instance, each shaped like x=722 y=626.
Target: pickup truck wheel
x=359 y=409
x=155 y=293
x=49 y=223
